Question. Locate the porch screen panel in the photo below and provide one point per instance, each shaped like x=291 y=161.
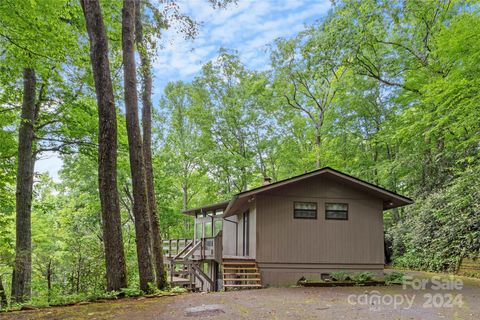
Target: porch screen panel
x=218 y=226
x=198 y=230
x=208 y=229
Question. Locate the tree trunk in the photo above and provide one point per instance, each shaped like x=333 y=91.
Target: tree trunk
x=49 y=280
x=107 y=147
x=146 y=75
x=186 y=221
x=185 y=195
x=318 y=142
x=137 y=164
x=318 y=138
x=3 y=295
x=22 y=275
x=78 y=274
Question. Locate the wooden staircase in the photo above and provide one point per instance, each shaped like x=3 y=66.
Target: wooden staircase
x=241 y=274
x=184 y=271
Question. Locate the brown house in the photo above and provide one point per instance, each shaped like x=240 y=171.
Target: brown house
x=304 y=226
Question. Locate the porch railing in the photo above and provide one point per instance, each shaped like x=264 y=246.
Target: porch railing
x=208 y=248
x=173 y=247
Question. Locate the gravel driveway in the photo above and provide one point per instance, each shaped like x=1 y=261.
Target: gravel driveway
x=459 y=298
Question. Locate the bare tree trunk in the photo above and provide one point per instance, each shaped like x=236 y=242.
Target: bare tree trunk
x=78 y=273
x=107 y=147
x=137 y=164
x=186 y=221
x=3 y=295
x=318 y=144
x=49 y=280
x=146 y=74
x=185 y=195
x=22 y=274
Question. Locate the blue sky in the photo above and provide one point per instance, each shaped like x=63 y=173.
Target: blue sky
x=247 y=27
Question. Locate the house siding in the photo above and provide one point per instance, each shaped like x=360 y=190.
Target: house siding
x=289 y=248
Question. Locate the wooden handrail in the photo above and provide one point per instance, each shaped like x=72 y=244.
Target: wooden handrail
x=200 y=250
x=171 y=244
x=195 y=247
x=183 y=250
x=203 y=275
x=206 y=251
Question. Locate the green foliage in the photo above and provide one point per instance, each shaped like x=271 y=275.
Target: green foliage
x=131 y=292
x=360 y=278
x=441 y=228
x=178 y=290
x=394 y=277
x=339 y=275
x=384 y=91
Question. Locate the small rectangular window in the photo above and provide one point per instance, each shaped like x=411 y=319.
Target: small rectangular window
x=336 y=211
x=305 y=210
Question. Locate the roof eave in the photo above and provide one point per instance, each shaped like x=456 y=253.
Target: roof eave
x=229 y=207
x=213 y=206
x=399 y=199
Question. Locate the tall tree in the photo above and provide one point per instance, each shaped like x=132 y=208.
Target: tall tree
x=135 y=144
x=22 y=274
x=107 y=147
x=308 y=72
x=227 y=99
x=146 y=76
x=182 y=142
x=45 y=60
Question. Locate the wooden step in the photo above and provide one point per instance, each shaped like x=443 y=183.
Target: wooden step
x=241 y=274
x=242 y=279
x=181 y=261
x=238 y=263
x=242 y=285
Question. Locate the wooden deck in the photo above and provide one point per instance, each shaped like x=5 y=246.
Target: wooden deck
x=225 y=257
x=185 y=258
x=208 y=248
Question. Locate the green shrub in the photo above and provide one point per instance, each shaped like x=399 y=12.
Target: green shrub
x=339 y=276
x=362 y=277
x=178 y=290
x=131 y=292
x=394 y=277
x=441 y=227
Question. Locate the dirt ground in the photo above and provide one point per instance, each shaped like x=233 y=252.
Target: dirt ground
x=457 y=301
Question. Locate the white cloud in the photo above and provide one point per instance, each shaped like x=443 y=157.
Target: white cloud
x=246 y=27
